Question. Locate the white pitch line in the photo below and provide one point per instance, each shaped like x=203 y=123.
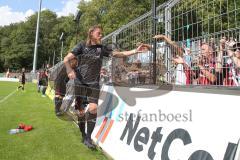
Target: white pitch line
x=5 y=98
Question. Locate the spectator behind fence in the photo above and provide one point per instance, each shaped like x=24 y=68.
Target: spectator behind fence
x=176 y=52
x=133 y=74
x=181 y=74
x=205 y=69
x=104 y=75
x=236 y=60
x=43 y=81
x=182 y=77
x=38 y=81
x=231 y=66
x=210 y=65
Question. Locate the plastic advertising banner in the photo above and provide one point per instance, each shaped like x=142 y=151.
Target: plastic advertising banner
x=173 y=125
x=9 y=79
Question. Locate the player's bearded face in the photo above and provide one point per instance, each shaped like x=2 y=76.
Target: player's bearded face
x=97 y=35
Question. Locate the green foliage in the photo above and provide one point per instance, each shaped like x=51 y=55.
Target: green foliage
x=17 y=40
x=112 y=14
x=196 y=18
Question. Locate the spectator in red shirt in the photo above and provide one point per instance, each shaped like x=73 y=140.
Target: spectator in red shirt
x=207 y=66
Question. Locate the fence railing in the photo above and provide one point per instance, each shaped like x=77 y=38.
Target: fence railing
x=200 y=46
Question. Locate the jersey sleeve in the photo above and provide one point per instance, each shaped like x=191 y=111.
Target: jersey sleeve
x=107 y=50
x=78 y=49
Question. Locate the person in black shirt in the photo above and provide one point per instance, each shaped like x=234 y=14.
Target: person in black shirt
x=84 y=80
x=22 y=80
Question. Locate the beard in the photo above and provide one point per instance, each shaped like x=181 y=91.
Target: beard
x=97 y=41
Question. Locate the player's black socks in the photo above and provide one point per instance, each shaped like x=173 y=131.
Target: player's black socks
x=58 y=103
x=81 y=125
x=91 y=120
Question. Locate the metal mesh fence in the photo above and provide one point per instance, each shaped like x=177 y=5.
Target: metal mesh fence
x=200 y=46
x=206 y=31
x=136 y=69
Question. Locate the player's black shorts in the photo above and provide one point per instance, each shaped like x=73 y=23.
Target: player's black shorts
x=90 y=92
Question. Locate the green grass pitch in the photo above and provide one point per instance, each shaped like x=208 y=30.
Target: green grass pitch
x=51 y=138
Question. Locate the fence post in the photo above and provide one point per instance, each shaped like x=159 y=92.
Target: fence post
x=112 y=67
x=154 y=31
x=168 y=48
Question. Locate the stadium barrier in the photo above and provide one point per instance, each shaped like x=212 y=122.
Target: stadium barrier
x=168 y=126
x=9 y=79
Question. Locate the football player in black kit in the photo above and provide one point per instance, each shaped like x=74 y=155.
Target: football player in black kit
x=83 y=81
